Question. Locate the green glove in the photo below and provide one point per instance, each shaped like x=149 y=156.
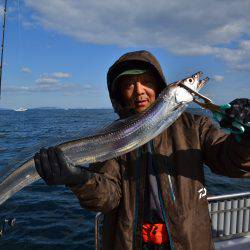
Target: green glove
x=235 y=117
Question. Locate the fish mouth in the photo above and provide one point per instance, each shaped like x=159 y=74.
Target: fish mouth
x=197 y=75
x=201 y=83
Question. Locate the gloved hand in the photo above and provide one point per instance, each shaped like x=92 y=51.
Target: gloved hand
x=56 y=171
x=237 y=116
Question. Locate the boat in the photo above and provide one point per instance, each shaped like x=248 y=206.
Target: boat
x=230 y=221
x=20 y=109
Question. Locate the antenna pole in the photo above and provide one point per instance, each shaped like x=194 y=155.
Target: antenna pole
x=2 y=47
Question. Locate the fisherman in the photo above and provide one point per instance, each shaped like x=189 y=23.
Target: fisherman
x=154 y=197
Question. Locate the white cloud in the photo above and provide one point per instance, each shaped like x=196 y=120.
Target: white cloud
x=1 y=10
x=28 y=25
x=218 y=28
x=46 y=81
x=61 y=75
x=13 y=88
x=51 y=83
x=242 y=67
x=87 y=86
x=72 y=88
x=26 y=70
x=218 y=78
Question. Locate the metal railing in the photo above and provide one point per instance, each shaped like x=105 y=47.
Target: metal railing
x=230 y=217
x=98 y=219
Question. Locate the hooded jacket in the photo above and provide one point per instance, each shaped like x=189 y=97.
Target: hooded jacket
x=179 y=153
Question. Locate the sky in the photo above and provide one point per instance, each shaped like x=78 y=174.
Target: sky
x=57 y=53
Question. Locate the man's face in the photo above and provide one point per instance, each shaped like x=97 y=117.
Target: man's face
x=138 y=92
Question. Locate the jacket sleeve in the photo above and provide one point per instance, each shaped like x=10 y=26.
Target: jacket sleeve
x=222 y=153
x=102 y=192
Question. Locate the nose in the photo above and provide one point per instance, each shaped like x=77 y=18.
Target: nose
x=139 y=88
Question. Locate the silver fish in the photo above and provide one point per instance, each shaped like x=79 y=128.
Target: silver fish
x=121 y=137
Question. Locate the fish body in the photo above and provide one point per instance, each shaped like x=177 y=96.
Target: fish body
x=135 y=131
x=121 y=137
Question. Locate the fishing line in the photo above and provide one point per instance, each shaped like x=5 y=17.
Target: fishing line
x=19 y=32
x=2 y=46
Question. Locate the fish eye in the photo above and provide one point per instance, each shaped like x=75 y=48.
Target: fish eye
x=190 y=80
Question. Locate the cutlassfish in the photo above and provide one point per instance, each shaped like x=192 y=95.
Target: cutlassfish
x=121 y=136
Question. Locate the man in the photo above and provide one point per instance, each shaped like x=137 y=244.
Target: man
x=150 y=196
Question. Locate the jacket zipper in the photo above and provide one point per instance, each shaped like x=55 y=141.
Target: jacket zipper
x=137 y=197
x=152 y=148
x=163 y=208
x=171 y=188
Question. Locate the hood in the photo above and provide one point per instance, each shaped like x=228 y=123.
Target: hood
x=132 y=60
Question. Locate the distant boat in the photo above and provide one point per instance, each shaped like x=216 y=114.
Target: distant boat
x=21 y=109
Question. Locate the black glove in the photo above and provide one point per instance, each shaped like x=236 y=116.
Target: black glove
x=54 y=169
x=237 y=113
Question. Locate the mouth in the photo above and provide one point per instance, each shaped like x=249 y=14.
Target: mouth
x=141 y=103
x=197 y=75
x=202 y=82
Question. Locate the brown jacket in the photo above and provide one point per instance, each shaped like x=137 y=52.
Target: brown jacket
x=117 y=188
x=179 y=154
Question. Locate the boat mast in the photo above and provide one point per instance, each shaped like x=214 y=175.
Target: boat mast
x=3 y=33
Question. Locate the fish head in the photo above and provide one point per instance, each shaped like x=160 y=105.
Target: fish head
x=193 y=82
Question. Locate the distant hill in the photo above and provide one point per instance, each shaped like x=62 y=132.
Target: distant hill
x=4 y=109
x=46 y=108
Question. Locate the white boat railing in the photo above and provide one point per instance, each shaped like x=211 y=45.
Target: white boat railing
x=230 y=217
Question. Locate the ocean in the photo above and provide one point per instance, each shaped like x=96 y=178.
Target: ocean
x=49 y=217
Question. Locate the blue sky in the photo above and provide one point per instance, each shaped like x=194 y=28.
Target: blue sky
x=57 y=52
